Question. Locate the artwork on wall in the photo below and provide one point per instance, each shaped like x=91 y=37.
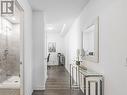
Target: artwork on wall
x=52 y=47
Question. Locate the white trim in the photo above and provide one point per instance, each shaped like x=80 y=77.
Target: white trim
x=39 y=88
x=18 y=5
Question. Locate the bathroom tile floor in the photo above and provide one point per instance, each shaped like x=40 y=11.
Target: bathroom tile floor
x=58 y=83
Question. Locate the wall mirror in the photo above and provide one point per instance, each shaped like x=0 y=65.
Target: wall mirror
x=91 y=41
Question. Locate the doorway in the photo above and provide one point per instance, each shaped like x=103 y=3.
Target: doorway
x=55 y=47
x=11 y=52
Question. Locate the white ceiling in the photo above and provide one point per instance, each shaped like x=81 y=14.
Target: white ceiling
x=59 y=11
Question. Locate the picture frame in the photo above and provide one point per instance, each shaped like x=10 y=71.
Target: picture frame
x=51 y=46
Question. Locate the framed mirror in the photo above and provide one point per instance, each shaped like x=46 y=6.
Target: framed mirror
x=91 y=41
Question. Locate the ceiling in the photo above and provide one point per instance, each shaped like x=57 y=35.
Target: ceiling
x=59 y=11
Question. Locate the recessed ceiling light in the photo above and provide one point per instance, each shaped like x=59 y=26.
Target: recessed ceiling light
x=13 y=18
x=63 y=27
x=50 y=28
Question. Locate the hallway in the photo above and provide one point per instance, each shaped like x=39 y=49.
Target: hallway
x=58 y=83
x=89 y=33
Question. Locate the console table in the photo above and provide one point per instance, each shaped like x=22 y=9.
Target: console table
x=90 y=82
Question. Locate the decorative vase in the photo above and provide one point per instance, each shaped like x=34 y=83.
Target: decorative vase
x=78 y=62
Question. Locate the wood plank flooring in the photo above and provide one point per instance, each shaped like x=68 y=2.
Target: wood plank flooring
x=58 y=83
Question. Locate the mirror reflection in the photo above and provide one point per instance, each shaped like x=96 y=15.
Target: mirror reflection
x=91 y=41
x=88 y=40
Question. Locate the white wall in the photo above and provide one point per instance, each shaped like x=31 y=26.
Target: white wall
x=27 y=47
x=55 y=37
x=112 y=42
x=38 y=51
x=72 y=43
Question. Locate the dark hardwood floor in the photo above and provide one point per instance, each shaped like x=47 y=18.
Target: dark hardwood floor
x=58 y=83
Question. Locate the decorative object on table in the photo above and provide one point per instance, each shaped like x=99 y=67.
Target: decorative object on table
x=80 y=55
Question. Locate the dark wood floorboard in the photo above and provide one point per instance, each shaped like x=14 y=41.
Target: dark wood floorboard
x=58 y=83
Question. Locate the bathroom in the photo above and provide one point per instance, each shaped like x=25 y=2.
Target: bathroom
x=10 y=39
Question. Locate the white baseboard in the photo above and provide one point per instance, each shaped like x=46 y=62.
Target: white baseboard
x=39 y=88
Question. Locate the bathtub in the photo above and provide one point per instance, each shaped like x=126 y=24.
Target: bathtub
x=11 y=86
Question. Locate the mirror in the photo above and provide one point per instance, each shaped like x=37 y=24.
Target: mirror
x=91 y=41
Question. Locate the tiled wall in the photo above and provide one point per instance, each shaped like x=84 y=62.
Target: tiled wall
x=9 y=48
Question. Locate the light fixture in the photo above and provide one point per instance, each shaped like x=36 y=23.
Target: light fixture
x=13 y=18
x=63 y=27
x=50 y=28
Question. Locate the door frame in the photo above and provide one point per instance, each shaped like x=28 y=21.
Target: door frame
x=45 y=50
x=20 y=8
